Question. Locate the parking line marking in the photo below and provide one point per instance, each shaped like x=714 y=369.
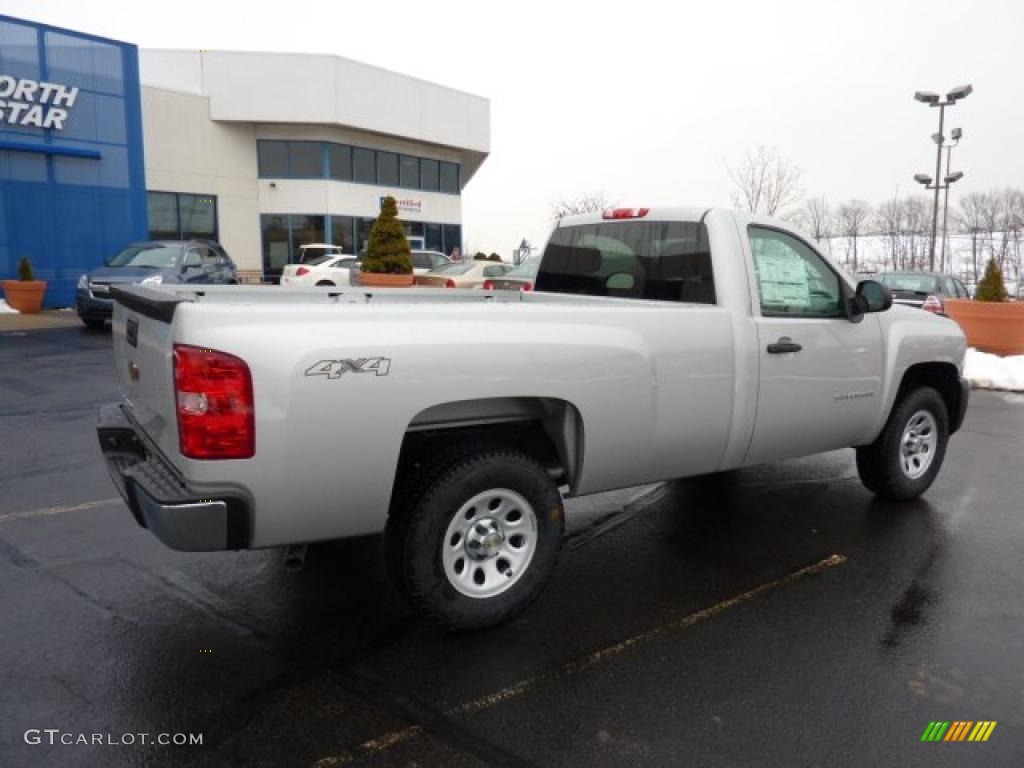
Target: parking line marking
x=572 y=667
x=58 y=510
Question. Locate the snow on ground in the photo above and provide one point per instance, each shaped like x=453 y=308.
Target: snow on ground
x=994 y=372
x=6 y=309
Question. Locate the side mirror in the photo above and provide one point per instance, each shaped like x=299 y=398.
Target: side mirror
x=873 y=296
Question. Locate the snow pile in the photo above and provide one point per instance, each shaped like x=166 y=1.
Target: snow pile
x=7 y=309
x=994 y=372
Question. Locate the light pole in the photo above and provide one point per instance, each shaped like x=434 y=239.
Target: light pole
x=956 y=134
x=934 y=100
x=926 y=181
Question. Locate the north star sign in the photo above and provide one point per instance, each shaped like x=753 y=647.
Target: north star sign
x=34 y=104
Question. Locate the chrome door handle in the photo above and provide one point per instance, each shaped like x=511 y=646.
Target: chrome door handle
x=783 y=345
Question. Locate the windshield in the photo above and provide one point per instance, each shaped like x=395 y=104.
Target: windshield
x=455 y=268
x=526 y=269
x=152 y=255
x=313 y=261
x=913 y=283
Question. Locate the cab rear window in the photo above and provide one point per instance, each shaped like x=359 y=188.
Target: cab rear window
x=658 y=260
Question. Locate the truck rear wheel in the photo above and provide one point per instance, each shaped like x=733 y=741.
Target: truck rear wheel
x=903 y=462
x=481 y=540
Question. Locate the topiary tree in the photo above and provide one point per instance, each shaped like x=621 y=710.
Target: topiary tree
x=388 y=249
x=494 y=257
x=479 y=256
x=991 y=286
x=25 y=271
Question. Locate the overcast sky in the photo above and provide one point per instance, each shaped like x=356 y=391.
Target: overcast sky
x=647 y=102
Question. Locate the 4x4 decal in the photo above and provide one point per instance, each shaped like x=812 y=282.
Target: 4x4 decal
x=334 y=369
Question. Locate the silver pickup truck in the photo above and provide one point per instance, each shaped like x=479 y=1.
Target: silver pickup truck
x=657 y=344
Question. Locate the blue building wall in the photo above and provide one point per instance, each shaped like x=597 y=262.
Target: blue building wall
x=70 y=198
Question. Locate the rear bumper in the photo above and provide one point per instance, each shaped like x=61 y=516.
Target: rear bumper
x=182 y=517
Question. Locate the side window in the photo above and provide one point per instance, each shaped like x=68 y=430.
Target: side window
x=193 y=258
x=420 y=260
x=791 y=278
x=208 y=256
x=961 y=289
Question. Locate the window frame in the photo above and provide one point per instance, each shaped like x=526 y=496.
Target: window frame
x=844 y=287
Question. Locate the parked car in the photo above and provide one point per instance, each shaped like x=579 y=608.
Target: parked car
x=658 y=343
x=463 y=274
x=423 y=261
x=519 y=278
x=322 y=270
x=151 y=263
x=924 y=290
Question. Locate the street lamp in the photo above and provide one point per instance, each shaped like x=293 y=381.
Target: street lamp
x=926 y=181
x=956 y=134
x=934 y=100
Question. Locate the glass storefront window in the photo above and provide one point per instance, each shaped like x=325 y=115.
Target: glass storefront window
x=387 y=169
x=162 y=208
x=432 y=235
x=363 y=233
x=452 y=234
x=450 y=178
x=340 y=159
x=306 y=229
x=341 y=233
x=275 y=243
x=410 y=172
x=430 y=178
x=198 y=214
x=305 y=160
x=273 y=159
x=364 y=168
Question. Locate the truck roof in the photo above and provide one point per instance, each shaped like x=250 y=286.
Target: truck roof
x=656 y=213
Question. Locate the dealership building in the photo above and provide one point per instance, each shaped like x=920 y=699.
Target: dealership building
x=102 y=144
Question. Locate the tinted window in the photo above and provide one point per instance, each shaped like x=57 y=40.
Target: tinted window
x=410 y=172
x=387 y=169
x=341 y=233
x=430 y=175
x=273 y=158
x=791 y=278
x=364 y=168
x=450 y=178
x=660 y=260
x=322 y=259
x=198 y=216
x=421 y=260
x=305 y=160
x=163 y=215
x=340 y=161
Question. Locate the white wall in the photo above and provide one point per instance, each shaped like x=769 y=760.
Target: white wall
x=187 y=152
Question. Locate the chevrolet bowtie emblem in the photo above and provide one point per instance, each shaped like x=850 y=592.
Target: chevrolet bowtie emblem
x=133 y=371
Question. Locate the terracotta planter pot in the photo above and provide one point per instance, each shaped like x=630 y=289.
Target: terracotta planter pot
x=991 y=326
x=26 y=296
x=381 y=280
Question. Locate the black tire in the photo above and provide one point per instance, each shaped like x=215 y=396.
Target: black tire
x=418 y=532
x=325 y=284
x=94 y=323
x=881 y=466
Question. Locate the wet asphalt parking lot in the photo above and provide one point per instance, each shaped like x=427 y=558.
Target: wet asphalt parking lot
x=777 y=616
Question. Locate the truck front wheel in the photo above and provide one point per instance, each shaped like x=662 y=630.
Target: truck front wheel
x=903 y=462
x=481 y=540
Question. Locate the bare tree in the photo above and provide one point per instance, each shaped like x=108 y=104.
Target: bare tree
x=889 y=222
x=972 y=221
x=592 y=202
x=917 y=222
x=853 y=217
x=765 y=182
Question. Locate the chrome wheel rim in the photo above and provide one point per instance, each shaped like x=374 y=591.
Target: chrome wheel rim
x=918 y=444
x=489 y=543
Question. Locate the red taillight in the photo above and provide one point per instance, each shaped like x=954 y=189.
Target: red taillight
x=449 y=283
x=301 y=271
x=932 y=304
x=214 y=401
x=625 y=213
x=527 y=287
x=488 y=285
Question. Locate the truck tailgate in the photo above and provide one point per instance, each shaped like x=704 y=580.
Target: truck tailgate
x=143 y=345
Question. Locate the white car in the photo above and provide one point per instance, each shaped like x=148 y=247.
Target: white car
x=324 y=270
